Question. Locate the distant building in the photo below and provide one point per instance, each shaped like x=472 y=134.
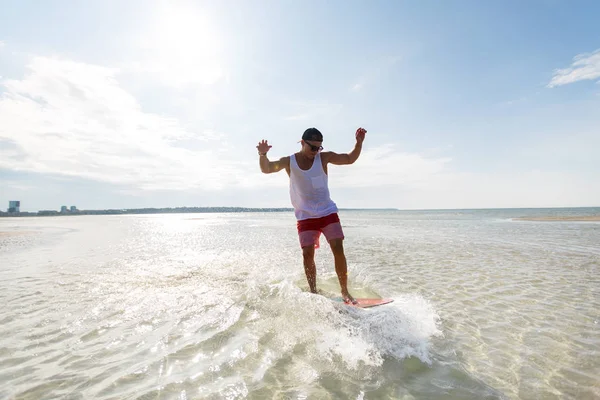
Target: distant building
x=14 y=206
x=63 y=209
x=73 y=209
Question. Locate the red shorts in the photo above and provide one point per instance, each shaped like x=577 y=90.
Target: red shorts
x=309 y=230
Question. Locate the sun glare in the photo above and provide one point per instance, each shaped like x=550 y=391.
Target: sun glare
x=185 y=45
x=183 y=33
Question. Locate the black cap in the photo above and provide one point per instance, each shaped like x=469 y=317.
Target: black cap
x=312 y=134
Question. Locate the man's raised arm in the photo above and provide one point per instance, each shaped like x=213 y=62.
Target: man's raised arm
x=348 y=158
x=267 y=166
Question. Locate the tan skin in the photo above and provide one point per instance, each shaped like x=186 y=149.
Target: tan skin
x=305 y=158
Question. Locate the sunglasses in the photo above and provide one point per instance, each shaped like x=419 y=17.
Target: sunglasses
x=314 y=148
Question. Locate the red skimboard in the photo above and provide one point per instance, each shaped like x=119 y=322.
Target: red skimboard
x=365 y=303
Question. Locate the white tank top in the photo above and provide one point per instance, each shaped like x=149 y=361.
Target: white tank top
x=309 y=190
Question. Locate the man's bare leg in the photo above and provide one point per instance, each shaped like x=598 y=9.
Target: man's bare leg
x=341 y=268
x=308 y=254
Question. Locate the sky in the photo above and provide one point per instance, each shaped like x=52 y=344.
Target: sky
x=467 y=104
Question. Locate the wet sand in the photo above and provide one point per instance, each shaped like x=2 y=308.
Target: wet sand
x=561 y=218
x=15 y=233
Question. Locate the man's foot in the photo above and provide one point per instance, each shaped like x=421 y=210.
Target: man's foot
x=348 y=299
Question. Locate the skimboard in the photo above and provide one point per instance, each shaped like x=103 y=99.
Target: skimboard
x=365 y=303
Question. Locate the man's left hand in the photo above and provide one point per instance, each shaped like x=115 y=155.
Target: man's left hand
x=360 y=135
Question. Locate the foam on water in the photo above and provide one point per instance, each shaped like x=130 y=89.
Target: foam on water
x=316 y=328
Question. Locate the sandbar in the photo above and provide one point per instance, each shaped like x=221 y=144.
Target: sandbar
x=583 y=218
x=15 y=233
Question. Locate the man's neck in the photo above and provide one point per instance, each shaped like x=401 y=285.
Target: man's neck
x=304 y=156
x=303 y=161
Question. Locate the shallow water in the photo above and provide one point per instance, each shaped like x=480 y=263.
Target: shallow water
x=216 y=306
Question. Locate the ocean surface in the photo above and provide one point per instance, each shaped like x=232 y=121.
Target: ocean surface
x=215 y=306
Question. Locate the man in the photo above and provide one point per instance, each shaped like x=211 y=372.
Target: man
x=315 y=212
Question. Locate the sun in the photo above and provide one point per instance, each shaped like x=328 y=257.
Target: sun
x=185 y=32
x=184 y=45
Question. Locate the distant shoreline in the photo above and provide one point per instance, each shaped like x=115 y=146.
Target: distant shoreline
x=560 y=218
x=594 y=211
x=177 y=210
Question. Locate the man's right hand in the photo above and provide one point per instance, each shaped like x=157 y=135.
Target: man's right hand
x=263 y=147
x=360 y=135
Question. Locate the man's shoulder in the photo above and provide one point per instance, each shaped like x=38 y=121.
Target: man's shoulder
x=326 y=155
x=285 y=160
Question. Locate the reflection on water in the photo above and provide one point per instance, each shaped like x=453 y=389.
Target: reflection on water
x=216 y=306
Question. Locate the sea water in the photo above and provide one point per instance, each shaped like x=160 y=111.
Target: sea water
x=216 y=306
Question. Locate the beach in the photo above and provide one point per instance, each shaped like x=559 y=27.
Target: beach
x=15 y=233
x=213 y=306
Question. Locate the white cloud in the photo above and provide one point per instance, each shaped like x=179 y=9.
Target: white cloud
x=74 y=119
x=16 y=185
x=451 y=189
x=528 y=188
x=585 y=67
x=2 y=44
x=382 y=167
x=374 y=72
x=386 y=166
x=356 y=87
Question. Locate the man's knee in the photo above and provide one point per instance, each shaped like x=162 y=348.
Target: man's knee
x=308 y=252
x=337 y=246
